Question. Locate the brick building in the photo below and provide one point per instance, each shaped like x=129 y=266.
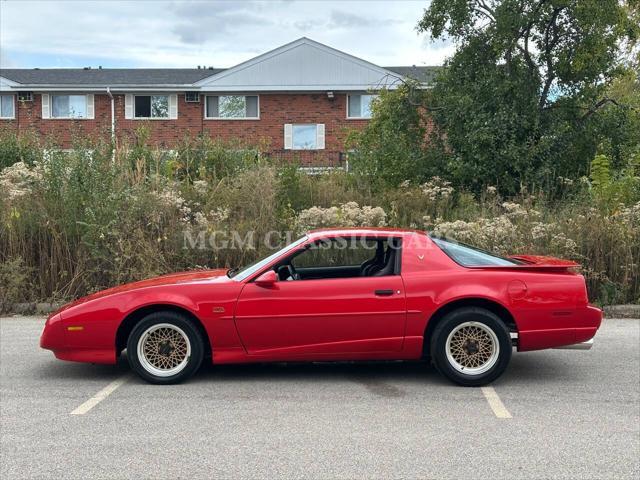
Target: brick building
x=297 y=101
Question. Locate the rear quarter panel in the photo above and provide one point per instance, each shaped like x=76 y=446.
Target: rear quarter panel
x=549 y=309
x=554 y=312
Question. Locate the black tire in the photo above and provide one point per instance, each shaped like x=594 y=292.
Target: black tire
x=189 y=363
x=488 y=322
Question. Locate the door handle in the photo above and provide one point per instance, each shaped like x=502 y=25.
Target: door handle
x=383 y=293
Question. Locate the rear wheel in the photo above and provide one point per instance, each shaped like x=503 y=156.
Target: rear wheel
x=165 y=348
x=471 y=346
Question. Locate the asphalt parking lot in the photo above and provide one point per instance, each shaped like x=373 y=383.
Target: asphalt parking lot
x=554 y=414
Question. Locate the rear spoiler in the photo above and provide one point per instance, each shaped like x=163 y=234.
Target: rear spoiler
x=535 y=263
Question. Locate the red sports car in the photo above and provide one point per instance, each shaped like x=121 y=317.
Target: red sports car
x=335 y=295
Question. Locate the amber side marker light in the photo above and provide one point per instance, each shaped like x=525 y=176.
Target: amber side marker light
x=75 y=329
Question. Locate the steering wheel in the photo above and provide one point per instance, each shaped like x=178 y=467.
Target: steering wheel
x=292 y=272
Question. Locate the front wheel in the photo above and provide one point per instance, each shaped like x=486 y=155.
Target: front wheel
x=165 y=348
x=471 y=346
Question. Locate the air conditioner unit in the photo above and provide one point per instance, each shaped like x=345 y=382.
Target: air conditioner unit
x=25 y=96
x=192 y=97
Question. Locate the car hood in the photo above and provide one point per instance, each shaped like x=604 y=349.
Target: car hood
x=169 y=279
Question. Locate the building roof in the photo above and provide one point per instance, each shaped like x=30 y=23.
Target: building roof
x=421 y=74
x=303 y=64
x=108 y=76
x=151 y=76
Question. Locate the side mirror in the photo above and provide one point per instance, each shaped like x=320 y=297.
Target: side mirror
x=267 y=279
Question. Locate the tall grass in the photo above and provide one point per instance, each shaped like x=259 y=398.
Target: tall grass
x=75 y=222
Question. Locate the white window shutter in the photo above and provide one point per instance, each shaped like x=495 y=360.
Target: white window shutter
x=288 y=136
x=320 y=136
x=128 y=106
x=45 y=105
x=90 y=106
x=173 y=106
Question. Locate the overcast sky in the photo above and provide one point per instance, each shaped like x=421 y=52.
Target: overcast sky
x=145 y=33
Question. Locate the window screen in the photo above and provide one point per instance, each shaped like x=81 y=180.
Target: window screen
x=360 y=106
x=354 y=106
x=6 y=106
x=304 y=137
x=68 y=106
x=232 y=106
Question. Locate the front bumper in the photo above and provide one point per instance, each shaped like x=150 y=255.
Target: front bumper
x=53 y=337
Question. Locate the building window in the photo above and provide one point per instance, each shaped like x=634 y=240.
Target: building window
x=304 y=136
x=6 y=106
x=68 y=106
x=359 y=106
x=151 y=106
x=232 y=106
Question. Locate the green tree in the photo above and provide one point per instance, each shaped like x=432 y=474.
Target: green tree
x=517 y=102
x=617 y=126
x=394 y=146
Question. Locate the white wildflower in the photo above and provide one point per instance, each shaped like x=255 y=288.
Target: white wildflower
x=515 y=210
x=170 y=198
x=565 y=181
x=219 y=215
x=437 y=188
x=539 y=230
x=200 y=219
x=349 y=214
x=18 y=180
x=200 y=186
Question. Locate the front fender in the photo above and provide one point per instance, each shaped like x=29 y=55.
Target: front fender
x=89 y=329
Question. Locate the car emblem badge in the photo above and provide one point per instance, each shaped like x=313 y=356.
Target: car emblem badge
x=218 y=309
x=421 y=257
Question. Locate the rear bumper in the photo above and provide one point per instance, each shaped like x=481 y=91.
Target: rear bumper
x=578 y=346
x=580 y=330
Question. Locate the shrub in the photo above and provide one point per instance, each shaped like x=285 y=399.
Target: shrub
x=16 y=148
x=13 y=283
x=346 y=215
x=75 y=222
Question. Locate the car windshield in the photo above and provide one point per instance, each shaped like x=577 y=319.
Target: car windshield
x=248 y=270
x=469 y=256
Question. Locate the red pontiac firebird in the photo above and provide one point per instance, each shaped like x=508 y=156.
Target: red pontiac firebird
x=336 y=295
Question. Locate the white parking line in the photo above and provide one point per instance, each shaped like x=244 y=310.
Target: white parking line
x=101 y=395
x=495 y=403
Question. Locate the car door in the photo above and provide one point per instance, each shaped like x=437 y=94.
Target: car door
x=323 y=316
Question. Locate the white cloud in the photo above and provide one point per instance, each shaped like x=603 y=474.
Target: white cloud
x=220 y=34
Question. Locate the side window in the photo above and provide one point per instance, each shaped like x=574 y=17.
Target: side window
x=337 y=252
x=469 y=256
x=343 y=258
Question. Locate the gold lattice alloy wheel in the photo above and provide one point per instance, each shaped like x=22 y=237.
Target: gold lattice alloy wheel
x=472 y=348
x=164 y=350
